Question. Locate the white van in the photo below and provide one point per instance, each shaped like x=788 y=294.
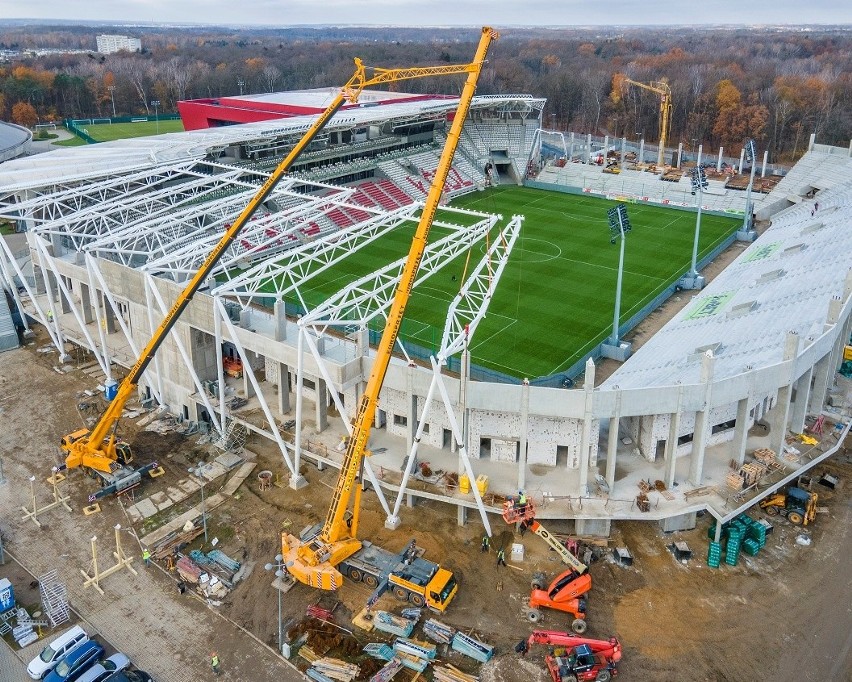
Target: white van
x=50 y=655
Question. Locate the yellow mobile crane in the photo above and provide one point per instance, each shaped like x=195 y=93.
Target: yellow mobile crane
x=99 y=449
x=316 y=559
x=665 y=92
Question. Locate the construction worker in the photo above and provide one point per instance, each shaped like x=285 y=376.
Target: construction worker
x=486 y=544
x=50 y=313
x=146 y=556
x=214 y=662
x=501 y=557
x=522 y=502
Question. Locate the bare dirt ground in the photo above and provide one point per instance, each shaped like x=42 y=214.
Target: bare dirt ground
x=785 y=614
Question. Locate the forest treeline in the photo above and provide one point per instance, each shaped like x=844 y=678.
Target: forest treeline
x=775 y=85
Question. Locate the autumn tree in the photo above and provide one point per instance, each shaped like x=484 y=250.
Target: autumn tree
x=24 y=114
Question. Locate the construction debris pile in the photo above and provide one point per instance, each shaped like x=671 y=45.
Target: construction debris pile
x=213 y=574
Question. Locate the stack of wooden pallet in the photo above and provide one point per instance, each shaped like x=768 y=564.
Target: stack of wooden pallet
x=764 y=456
x=752 y=472
x=450 y=673
x=336 y=669
x=734 y=481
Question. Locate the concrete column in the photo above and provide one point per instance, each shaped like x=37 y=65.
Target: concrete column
x=605 y=148
x=86 y=304
x=109 y=316
x=612 y=441
x=525 y=420
x=571 y=148
x=811 y=142
x=64 y=304
x=765 y=159
x=670 y=455
x=283 y=388
x=248 y=388
x=623 y=152
x=589 y=148
x=742 y=160
x=819 y=392
x=589 y=388
x=39 y=275
x=280 y=321
x=800 y=404
x=679 y=154
x=782 y=404
x=719 y=162
x=245 y=318
x=52 y=287
x=410 y=408
x=321 y=405
x=699 y=437
x=642 y=150
x=738 y=445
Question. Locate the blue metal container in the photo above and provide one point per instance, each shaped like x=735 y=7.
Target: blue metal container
x=111 y=389
x=7 y=595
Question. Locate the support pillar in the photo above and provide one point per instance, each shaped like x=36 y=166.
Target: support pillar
x=321 y=405
x=642 y=150
x=782 y=404
x=280 y=321
x=623 y=152
x=248 y=387
x=819 y=392
x=589 y=388
x=86 y=304
x=525 y=421
x=589 y=148
x=283 y=388
x=800 y=404
x=719 y=161
x=679 y=154
x=670 y=454
x=738 y=445
x=109 y=315
x=571 y=148
x=699 y=437
x=612 y=441
x=410 y=408
x=64 y=303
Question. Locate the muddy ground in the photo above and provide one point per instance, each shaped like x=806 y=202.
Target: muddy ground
x=785 y=614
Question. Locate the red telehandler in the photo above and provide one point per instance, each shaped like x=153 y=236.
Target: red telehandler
x=583 y=659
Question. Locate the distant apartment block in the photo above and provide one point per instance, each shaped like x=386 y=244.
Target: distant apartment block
x=107 y=44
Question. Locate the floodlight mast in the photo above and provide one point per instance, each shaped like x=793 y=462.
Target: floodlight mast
x=751 y=156
x=619 y=226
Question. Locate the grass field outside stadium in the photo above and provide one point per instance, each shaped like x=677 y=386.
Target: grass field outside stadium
x=556 y=297
x=106 y=132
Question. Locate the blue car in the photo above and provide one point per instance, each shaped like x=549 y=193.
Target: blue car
x=75 y=662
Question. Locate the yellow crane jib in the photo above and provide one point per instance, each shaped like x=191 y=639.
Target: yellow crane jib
x=314 y=561
x=99 y=449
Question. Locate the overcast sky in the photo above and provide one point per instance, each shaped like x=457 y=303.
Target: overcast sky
x=438 y=12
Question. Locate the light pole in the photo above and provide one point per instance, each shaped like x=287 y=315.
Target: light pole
x=197 y=471
x=699 y=183
x=280 y=569
x=241 y=83
x=751 y=157
x=111 y=89
x=619 y=226
x=156 y=104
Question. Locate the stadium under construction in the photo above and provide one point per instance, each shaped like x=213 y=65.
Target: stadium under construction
x=114 y=231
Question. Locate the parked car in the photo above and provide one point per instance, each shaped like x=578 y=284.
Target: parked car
x=131 y=676
x=76 y=662
x=100 y=672
x=69 y=640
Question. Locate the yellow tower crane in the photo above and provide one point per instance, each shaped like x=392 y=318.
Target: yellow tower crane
x=665 y=92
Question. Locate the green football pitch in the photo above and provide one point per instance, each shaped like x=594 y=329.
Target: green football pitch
x=106 y=132
x=556 y=298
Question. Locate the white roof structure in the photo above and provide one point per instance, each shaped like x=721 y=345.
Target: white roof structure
x=783 y=282
x=121 y=156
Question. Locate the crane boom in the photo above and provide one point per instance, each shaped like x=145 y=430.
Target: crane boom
x=665 y=92
x=314 y=562
x=564 y=553
x=97 y=449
